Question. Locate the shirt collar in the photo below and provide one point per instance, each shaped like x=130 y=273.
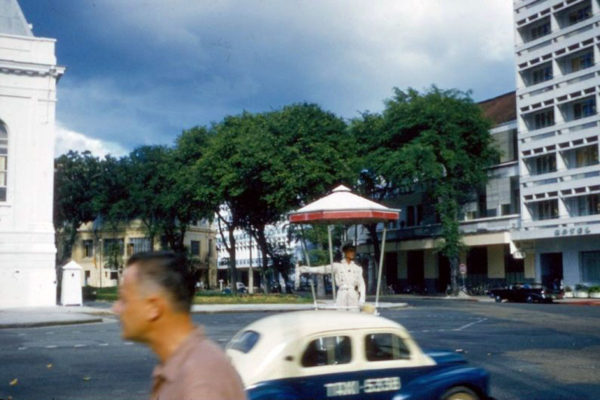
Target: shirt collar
x=170 y=368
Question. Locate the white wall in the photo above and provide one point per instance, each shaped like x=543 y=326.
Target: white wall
x=27 y=107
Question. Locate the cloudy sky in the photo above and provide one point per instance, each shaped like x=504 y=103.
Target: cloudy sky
x=141 y=71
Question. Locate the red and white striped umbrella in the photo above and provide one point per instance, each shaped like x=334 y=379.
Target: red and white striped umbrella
x=342 y=206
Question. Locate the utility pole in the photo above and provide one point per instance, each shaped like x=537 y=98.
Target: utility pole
x=250 y=272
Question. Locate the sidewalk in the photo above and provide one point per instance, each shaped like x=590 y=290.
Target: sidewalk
x=48 y=316
x=97 y=312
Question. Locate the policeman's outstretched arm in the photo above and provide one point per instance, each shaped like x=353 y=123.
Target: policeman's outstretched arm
x=322 y=269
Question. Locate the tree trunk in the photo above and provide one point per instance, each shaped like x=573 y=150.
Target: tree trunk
x=372 y=229
x=454 y=261
x=261 y=240
x=232 y=262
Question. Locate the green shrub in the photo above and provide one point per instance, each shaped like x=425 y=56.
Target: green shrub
x=595 y=289
x=581 y=287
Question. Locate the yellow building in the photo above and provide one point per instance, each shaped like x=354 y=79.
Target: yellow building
x=102 y=251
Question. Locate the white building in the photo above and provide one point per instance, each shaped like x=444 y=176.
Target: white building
x=28 y=76
x=248 y=253
x=558 y=127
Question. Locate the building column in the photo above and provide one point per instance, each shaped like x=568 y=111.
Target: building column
x=496 y=267
x=431 y=270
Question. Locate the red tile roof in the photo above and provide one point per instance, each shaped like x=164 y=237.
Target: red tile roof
x=500 y=109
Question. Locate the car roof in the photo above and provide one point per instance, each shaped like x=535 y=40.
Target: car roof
x=303 y=323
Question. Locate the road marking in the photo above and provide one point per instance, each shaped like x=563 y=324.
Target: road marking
x=470 y=324
x=79 y=345
x=127 y=343
x=103 y=344
x=52 y=346
x=22 y=348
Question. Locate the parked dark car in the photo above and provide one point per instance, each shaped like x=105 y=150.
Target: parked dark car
x=523 y=293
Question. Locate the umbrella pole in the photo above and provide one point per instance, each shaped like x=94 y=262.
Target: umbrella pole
x=312 y=286
x=380 y=265
x=329 y=229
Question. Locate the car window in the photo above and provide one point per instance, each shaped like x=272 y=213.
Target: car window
x=385 y=346
x=245 y=341
x=329 y=350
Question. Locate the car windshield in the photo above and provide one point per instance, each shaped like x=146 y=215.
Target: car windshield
x=244 y=341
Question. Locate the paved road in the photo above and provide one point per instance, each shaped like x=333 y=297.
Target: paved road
x=535 y=351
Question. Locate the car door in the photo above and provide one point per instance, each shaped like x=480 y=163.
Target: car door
x=391 y=362
x=328 y=369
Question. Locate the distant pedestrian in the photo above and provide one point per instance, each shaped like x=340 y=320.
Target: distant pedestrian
x=154 y=304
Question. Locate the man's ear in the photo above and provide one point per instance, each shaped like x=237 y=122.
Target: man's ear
x=156 y=307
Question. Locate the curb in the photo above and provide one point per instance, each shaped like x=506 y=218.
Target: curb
x=49 y=323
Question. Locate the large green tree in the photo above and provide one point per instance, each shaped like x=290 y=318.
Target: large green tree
x=437 y=142
x=75 y=188
x=261 y=166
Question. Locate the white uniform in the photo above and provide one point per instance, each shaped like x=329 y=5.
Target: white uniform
x=348 y=280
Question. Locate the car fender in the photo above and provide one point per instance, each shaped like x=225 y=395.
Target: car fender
x=435 y=383
x=271 y=390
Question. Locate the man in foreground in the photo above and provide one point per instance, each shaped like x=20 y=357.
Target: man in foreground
x=155 y=299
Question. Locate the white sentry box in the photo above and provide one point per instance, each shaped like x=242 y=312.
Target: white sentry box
x=71 y=292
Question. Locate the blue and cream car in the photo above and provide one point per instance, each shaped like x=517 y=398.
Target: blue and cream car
x=312 y=355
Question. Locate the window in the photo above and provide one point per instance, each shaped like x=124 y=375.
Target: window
x=419 y=214
x=113 y=252
x=586 y=156
x=245 y=341
x=329 y=350
x=590 y=266
x=410 y=216
x=138 y=245
x=582 y=61
x=482 y=204
x=195 y=247
x=580 y=15
x=3 y=160
x=588 y=205
x=584 y=108
x=541 y=74
x=515 y=198
x=543 y=119
x=540 y=30
x=385 y=347
x=88 y=248
x=546 y=209
x=542 y=165
x=506 y=143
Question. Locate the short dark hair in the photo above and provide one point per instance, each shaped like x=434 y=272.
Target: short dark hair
x=170 y=271
x=348 y=245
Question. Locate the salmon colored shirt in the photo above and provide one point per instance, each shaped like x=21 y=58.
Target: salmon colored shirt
x=197 y=370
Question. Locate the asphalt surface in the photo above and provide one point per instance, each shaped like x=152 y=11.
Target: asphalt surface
x=533 y=351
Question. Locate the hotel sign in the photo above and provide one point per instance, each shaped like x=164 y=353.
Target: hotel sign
x=572 y=231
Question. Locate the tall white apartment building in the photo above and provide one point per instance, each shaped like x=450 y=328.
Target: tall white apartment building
x=558 y=83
